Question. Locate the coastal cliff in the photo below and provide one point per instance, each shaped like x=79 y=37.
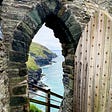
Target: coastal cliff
x=38 y=56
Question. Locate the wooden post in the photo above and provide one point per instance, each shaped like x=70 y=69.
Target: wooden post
x=48 y=101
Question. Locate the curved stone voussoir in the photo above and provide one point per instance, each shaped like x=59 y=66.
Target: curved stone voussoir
x=34 y=15
x=64 y=14
x=42 y=12
x=25 y=28
x=74 y=28
x=21 y=36
x=31 y=22
x=70 y=21
x=15 y=56
x=53 y=5
x=68 y=69
x=20 y=46
x=75 y=31
x=65 y=80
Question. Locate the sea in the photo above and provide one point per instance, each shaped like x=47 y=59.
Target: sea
x=53 y=75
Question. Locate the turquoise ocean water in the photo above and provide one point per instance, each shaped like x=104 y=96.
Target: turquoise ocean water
x=53 y=78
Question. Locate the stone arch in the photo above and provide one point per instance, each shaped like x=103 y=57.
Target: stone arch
x=14 y=65
x=65 y=27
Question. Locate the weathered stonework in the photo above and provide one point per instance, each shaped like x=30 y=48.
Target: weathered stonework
x=21 y=20
x=4 y=81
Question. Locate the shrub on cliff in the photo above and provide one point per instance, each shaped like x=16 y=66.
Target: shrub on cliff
x=34 y=108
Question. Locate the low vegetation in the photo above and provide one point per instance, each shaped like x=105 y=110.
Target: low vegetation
x=38 y=50
x=34 y=108
x=38 y=56
x=31 y=64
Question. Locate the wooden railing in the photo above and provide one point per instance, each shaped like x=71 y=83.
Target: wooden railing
x=48 y=98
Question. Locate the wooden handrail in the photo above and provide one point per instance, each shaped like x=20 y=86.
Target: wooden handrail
x=46 y=91
x=43 y=96
x=43 y=103
x=48 y=98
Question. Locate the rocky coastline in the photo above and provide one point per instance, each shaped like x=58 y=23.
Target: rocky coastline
x=35 y=75
x=42 y=61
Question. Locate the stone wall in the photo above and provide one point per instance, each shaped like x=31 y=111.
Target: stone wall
x=4 y=81
x=21 y=20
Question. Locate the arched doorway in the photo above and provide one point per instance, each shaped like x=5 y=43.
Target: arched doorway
x=46 y=52
x=17 y=54
x=66 y=29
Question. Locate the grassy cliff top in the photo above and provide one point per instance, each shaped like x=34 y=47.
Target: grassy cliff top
x=38 y=49
x=35 y=51
x=31 y=64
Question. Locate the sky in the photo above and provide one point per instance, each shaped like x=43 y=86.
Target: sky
x=45 y=36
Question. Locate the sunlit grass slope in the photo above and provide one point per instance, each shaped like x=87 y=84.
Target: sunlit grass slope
x=36 y=50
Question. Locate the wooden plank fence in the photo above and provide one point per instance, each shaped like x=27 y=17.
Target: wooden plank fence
x=93 y=66
x=48 y=98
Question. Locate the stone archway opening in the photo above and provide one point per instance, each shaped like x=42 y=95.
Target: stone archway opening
x=67 y=30
x=62 y=33
x=52 y=69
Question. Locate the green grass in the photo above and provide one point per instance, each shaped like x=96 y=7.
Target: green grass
x=31 y=64
x=34 y=108
x=38 y=49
